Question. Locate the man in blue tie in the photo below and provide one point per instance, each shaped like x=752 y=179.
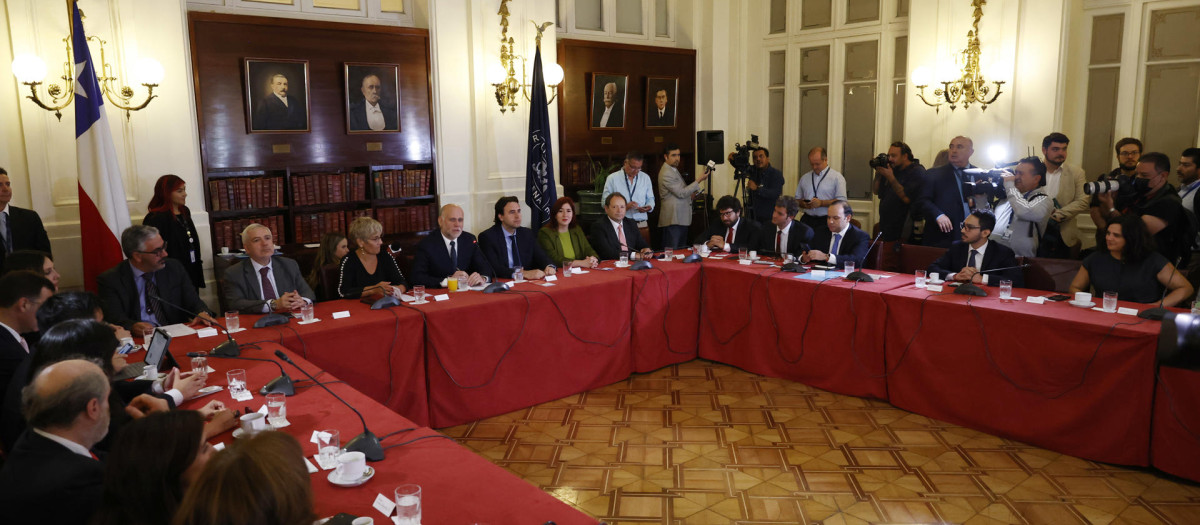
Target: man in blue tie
x=973 y=258
x=942 y=201
x=507 y=244
x=843 y=242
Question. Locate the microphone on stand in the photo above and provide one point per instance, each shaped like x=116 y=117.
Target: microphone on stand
x=279 y=385
x=367 y=442
x=1157 y=313
x=229 y=348
x=859 y=275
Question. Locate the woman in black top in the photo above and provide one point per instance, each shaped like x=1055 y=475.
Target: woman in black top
x=1130 y=266
x=174 y=222
x=369 y=270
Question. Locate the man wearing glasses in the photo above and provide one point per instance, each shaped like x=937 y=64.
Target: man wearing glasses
x=732 y=233
x=1129 y=151
x=133 y=293
x=973 y=257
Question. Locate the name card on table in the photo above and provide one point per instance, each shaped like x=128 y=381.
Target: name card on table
x=206 y=332
x=551 y=278
x=246 y=395
x=933 y=287
x=384 y=504
x=1035 y=300
x=317 y=436
x=817 y=273
x=219 y=447
x=442 y=297
x=546 y=284
x=342 y=314
x=1127 y=311
x=311 y=468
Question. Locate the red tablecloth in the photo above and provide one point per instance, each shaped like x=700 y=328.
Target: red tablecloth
x=666 y=313
x=489 y=354
x=457 y=486
x=378 y=352
x=1048 y=374
x=1175 y=436
x=828 y=334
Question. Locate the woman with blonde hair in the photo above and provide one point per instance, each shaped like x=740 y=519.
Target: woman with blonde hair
x=369 y=269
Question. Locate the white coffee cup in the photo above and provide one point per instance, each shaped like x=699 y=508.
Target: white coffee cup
x=224 y=250
x=365 y=520
x=933 y=276
x=753 y=255
x=254 y=423
x=351 y=466
x=1083 y=297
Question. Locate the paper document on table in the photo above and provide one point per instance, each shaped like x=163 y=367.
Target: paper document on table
x=178 y=330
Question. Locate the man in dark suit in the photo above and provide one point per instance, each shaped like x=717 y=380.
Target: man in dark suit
x=616 y=234
x=20 y=229
x=507 y=244
x=132 y=292
x=263 y=283
x=279 y=110
x=612 y=113
x=21 y=294
x=974 y=253
x=942 y=201
x=51 y=475
x=842 y=242
x=734 y=232
x=663 y=113
x=786 y=234
x=450 y=252
x=373 y=112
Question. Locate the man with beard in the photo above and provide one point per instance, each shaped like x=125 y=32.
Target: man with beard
x=675 y=215
x=734 y=232
x=1064 y=183
x=1129 y=150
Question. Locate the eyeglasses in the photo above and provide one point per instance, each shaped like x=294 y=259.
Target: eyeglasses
x=968 y=227
x=728 y=213
x=1128 y=153
x=160 y=251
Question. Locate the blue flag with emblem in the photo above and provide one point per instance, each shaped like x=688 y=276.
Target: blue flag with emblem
x=540 y=192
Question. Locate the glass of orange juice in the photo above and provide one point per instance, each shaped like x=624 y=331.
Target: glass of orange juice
x=452 y=284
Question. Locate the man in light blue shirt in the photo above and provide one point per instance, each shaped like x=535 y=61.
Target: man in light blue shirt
x=635 y=186
x=819 y=188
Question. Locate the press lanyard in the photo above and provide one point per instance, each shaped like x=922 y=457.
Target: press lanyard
x=630 y=190
x=816 y=182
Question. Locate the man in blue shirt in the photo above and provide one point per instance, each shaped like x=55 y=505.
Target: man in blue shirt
x=635 y=186
x=765 y=183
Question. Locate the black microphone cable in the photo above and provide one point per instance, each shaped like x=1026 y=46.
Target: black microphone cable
x=414 y=440
x=438 y=355
x=907 y=346
x=1171 y=404
x=667 y=310
x=749 y=306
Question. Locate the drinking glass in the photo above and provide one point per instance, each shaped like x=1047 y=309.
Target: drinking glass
x=743 y=254
x=419 y=293
x=452 y=284
x=200 y=366
x=1006 y=289
x=276 y=407
x=668 y=254
x=1196 y=307
x=307 y=313
x=329 y=446
x=624 y=260
x=566 y=268
x=518 y=274
x=237 y=381
x=408 y=505
x=232 y=323
x=848 y=266
x=1110 y=301
x=698 y=249
x=920 y=278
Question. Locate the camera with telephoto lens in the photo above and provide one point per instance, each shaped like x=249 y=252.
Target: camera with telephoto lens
x=880 y=161
x=982 y=181
x=1124 y=186
x=742 y=156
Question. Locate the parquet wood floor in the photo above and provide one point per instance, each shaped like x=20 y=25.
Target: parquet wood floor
x=704 y=443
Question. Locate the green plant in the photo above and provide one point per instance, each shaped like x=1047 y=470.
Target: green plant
x=600 y=172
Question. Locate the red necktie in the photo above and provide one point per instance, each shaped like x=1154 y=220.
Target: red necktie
x=93 y=454
x=729 y=237
x=779 y=242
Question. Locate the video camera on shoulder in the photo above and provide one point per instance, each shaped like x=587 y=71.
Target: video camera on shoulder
x=990 y=182
x=742 y=157
x=1124 y=187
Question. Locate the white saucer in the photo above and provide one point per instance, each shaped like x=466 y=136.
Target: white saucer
x=367 y=475
x=937 y=282
x=1085 y=304
x=619 y=265
x=419 y=302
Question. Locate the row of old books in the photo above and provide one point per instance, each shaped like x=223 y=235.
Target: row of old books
x=309 y=227
x=406 y=218
x=245 y=193
x=391 y=184
x=228 y=233
x=578 y=173
x=325 y=188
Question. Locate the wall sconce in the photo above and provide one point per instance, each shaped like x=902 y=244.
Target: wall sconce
x=30 y=70
x=970 y=87
x=503 y=75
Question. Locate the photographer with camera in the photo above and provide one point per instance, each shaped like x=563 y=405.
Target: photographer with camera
x=1128 y=150
x=764 y=184
x=818 y=189
x=1022 y=216
x=898 y=181
x=1152 y=198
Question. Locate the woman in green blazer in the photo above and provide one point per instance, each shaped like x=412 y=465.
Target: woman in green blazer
x=563 y=239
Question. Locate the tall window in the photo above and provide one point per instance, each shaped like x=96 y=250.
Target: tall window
x=619 y=20
x=1104 y=75
x=1172 y=90
x=775 y=105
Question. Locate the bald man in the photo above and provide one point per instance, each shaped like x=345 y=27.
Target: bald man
x=942 y=201
x=450 y=252
x=51 y=475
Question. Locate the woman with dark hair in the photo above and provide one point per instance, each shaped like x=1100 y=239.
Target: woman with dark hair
x=563 y=239
x=150 y=468
x=36 y=261
x=260 y=480
x=333 y=247
x=170 y=214
x=1129 y=266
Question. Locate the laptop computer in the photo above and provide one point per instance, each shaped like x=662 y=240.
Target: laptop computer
x=156 y=355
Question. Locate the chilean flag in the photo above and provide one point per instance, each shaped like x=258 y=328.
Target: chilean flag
x=103 y=214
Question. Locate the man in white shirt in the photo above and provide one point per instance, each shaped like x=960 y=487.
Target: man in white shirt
x=21 y=294
x=612 y=115
x=263 y=282
x=373 y=112
x=51 y=475
x=1064 y=184
x=818 y=189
